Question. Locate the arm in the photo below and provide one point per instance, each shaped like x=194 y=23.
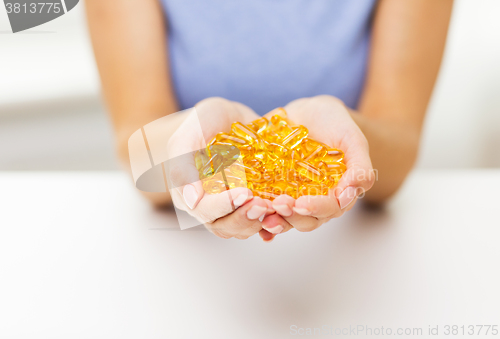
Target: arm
x=130 y=48
x=408 y=42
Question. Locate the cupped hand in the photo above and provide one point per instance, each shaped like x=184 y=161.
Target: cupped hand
x=232 y=213
x=328 y=121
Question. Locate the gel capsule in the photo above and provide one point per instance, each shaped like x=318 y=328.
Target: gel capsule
x=295 y=138
x=259 y=125
x=333 y=155
x=332 y=168
x=309 y=171
x=244 y=132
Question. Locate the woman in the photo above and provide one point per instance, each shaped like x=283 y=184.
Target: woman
x=358 y=74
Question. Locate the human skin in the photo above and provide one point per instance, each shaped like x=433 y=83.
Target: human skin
x=129 y=40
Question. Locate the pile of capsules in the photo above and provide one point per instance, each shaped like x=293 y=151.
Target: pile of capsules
x=270 y=158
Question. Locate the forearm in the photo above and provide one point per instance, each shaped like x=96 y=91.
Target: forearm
x=130 y=48
x=393 y=151
x=407 y=47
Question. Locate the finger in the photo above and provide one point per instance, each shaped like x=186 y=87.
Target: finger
x=358 y=178
x=266 y=236
x=283 y=205
x=242 y=223
x=303 y=223
x=215 y=206
x=318 y=206
x=299 y=218
x=351 y=205
x=276 y=224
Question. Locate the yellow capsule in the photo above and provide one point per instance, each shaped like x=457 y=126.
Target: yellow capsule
x=332 y=180
x=295 y=138
x=260 y=151
x=206 y=171
x=223 y=155
x=284 y=187
x=241 y=170
x=333 y=155
x=200 y=159
x=308 y=146
x=271 y=135
x=244 y=132
x=318 y=153
x=230 y=139
x=259 y=125
x=309 y=171
x=332 y=168
x=214 y=186
x=280 y=111
x=235 y=181
x=265 y=195
x=278 y=150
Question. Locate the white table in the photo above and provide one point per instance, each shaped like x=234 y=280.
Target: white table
x=83 y=256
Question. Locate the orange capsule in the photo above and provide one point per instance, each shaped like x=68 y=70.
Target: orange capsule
x=333 y=168
x=309 y=145
x=284 y=187
x=259 y=125
x=318 y=153
x=242 y=170
x=309 y=171
x=200 y=159
x=244 y=132
x=265 y=195
x=223 y=154
x=280 y=111
x=295 y=138
x=333 y=155
x=233 y=181
x=231 y=139
x=278 y=150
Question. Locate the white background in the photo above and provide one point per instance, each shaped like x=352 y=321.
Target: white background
x=52 y=118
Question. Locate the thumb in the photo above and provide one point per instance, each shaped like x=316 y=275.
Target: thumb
x=359 y=176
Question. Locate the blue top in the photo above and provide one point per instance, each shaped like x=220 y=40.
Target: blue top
x=266 y=53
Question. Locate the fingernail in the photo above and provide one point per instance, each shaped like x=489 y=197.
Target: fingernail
x=240 y=200
x=262 y=217
x=302 y=211
x=274 y=230
x=347 y=196
x=284 y=210
x=255 y=212
x=190 y=195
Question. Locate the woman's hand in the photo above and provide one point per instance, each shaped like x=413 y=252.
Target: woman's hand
x=232 y=213
x=328 y=121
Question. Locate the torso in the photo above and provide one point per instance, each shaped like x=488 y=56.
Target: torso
x=267 y=53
